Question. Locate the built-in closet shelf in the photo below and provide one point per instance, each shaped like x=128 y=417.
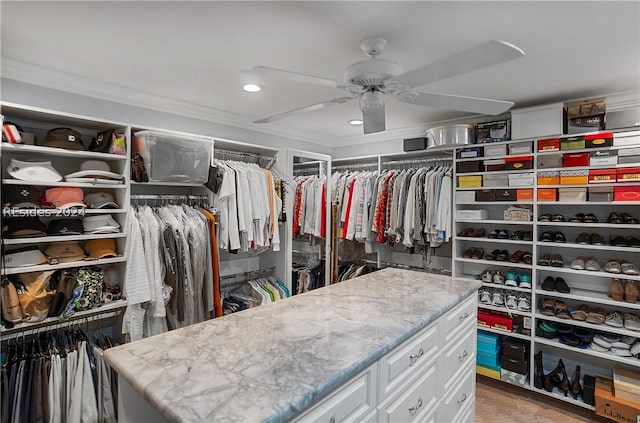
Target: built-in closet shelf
x=589 y=247
x=497 y=222
x=493 y=203
x=571 y=271
x=612 y=184
x=63 y=184
x=47 y=239
x=560 y=169
x=631 y=361
x=592 y=225
x=582 y=150
x=504 y=310
x=506 y=287
x=600 y=328
x=586 y=203
x=495 y=263
x=492 y=240
x=47 y=152
x=496 y=172
x=45 y=267
x=167 y=184
x=561 y=397
x=105 y=311
x=504 y=332
x=12 y=212
x=470 y=159
x=480 y=188
x=588 y=296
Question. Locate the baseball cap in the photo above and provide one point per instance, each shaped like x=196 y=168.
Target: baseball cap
x=64 y=138
x=33 y=171
x=94 y=169
x=65 y=227
x=101 y=248
x=64 y=197
x=21 y=196
x=23 y=228
x=65 y=251
x=100 y=200
x=27 y=256
x=100 y=224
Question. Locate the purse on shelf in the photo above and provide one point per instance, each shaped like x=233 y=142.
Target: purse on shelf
x=138 y=171
x=11 y=310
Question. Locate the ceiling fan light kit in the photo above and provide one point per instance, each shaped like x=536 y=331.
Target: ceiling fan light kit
x=373 y=80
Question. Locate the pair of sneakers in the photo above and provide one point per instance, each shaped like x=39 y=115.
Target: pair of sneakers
x=518 y=279
x=492 y=276
x=497 y=298
x=515 y=302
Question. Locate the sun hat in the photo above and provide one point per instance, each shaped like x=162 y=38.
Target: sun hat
x=100 y=200
x=94 y=169
x=64 y=197
x=64 y=138
x=27 y=256
x=21 y=196
x=33 y=171
x=100 y=224
x=101 y=248
x=64 y=251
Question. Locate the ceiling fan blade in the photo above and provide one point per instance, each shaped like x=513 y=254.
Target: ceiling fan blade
x=373 y=120
x=294 y=76
x=479 y=57
x=305 y=109
x=483 y=106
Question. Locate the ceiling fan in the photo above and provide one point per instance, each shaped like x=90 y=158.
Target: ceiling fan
x=373 y=80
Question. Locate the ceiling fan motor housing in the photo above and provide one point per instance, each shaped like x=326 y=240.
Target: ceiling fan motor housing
x=371 y=73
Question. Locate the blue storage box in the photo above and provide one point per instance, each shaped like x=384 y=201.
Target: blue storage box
x=488 y=341
x=488 y=359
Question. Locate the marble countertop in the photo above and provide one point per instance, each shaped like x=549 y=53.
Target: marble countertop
x=270 y=362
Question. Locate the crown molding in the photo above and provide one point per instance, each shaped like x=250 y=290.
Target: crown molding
x=49 y=78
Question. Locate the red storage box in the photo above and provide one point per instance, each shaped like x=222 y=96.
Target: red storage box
x=484 y=318
x=502 y=322
x=602 y=176
x=629 y=193
x=577 y=159
x=603 y=139
x=629 y=174
x=518 y=163
x=552 y=144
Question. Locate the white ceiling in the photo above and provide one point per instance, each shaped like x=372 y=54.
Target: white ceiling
x=172 y=53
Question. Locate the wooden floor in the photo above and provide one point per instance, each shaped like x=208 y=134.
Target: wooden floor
x=497 y=402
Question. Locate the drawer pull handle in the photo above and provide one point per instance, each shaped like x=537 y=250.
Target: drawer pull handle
x=414 y=357
x=464 y=316
x=463 y=356
x=415 y=408
x=464 y=398
x=333 y=419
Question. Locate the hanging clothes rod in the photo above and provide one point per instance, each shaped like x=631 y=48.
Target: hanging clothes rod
x=357 y=166
x=244 y=157
x=238 y=278
x=446 y=160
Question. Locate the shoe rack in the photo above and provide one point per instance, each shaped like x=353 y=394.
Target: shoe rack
x=575 y=237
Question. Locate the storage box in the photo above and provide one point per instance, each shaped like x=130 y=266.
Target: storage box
x=522 y=324
x=415 y=144
x=469 y=153
x=603 y=139
x=484 y=319
x=549 y=177
x=589 y=390
x=572 y=194
x=585 y=124
x=488 y=340
x=174 y=158
x=626 y=384
x=573 y=160
x=603 y=194
x=603 y=158
x=470 y=181
x=506 y=195
x=517 y=214
x=611 y=407
x=549 y=161
x=503 y=322
x=465 y=196
x=494 y=165
x=524 y=194
x=487 y=359
x=519 y=163
x=513 y=377
x=515 y=364
x=628 y=174
x=602 y=176
x=525 y=147
x=486 y=195
x=623 y=118
x=496 y=131
x=484 y=371
x=499 y=150
x=539 y=121
x=515 y=349
x=626 y=139
x=547 y=194
x=490 y=180
x=470 y=166
x=521 y=180
x=628 y=193
x=572 y=143
x=629 y=160
x=574 y=177
x=551 y=144
x=585 y=115
x=472 y=214
x=630 y=151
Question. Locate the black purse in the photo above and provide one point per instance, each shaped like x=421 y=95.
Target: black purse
x=138 y=171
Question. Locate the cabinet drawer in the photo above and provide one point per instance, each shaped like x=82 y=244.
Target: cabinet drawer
x=462 y=396
x=351 y=402
x=406 y=359
x=458 y=354
x=416 y=403
x=456 y=318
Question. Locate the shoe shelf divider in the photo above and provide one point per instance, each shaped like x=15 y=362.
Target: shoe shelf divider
x=594 y=294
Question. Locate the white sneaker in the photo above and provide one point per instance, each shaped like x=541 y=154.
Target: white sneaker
x=597 y=347
x=599 y=340
x=512 y=301
x=631 y=322
x=497 y=300
x=621 y=352
x=524 y=304
x=487 y=276
x=635 y=348
x=614 y=319
x=485 y=297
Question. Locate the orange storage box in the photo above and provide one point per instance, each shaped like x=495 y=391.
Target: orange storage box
x=552 y=144
x=524 y=194
x=549 y=177
x=628 y=193
x=547 y=194
x=628 y=174
x=602 y=176
x=574 y=177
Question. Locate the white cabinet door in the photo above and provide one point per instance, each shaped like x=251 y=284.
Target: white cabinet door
x=456 y=402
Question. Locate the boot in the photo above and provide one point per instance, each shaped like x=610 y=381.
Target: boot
x=576 y=388
x=565 y=384
x=553 y=379
x=539 y=371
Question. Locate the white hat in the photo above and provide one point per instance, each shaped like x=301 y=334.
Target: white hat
x=100 y=224
x=94 y=169
x=30 y=256
x=100 y=200
x=33 y=171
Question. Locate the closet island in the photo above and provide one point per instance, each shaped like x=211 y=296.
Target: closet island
x=392 y=345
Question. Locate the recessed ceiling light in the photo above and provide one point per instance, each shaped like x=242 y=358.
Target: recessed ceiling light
x=252 y=88
x=355 y=122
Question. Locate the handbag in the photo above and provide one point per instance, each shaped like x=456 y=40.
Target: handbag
x=92 y=279
x=35 y=295
x=11 y=310
x=138 y=171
